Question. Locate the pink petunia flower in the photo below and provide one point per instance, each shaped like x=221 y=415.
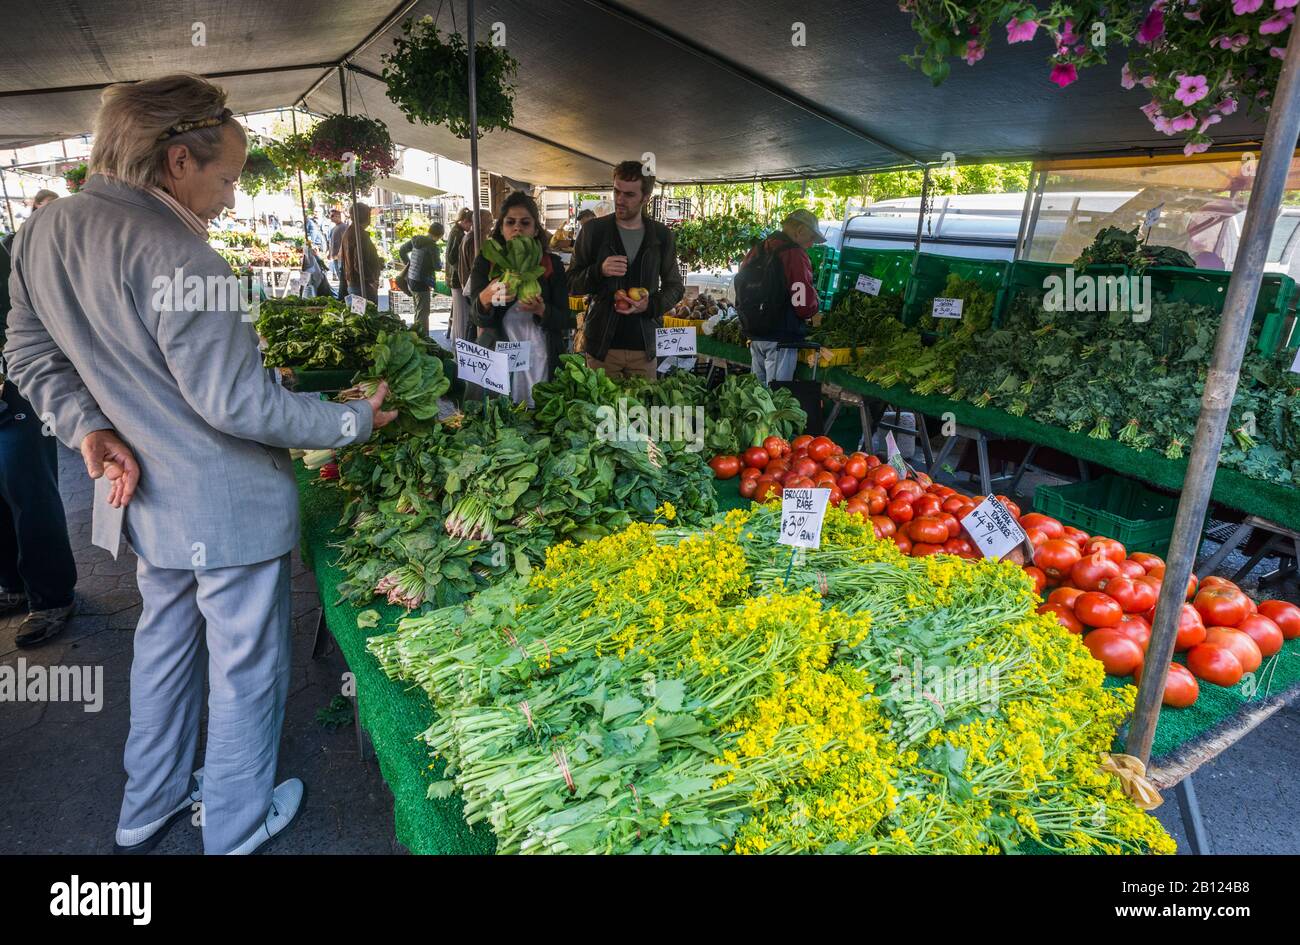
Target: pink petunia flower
x=1018 y=32
x=1126 y=78
x=1242 y=7
x=1284 y=4
x=1064 y=73
x=1277 y=52
x=1184 y=122
x=1227 y=106
x=1207 y=121
x=1162 y=124
x=1151 y=110
x=1153 y=27
x=1068 y=36
x=974 y=52
x=1191 y=89
x=1234 y=43
x=1277 y=23
x=1195 y=147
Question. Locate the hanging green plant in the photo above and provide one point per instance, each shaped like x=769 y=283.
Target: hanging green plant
x=339 y=138
x=261 y=173
x=336 y=183
x=428 y=79
x=75 y=177
x=294 y=154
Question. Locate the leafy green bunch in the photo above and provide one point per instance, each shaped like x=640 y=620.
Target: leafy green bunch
x=415 y=377
x=743 y=413
x=859 y=320
x=261 y=173
x=1112 y=245
x=518 y=265
x=319 y=334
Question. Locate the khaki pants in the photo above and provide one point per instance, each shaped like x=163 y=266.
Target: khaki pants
x=621 y=363
x=421 y=299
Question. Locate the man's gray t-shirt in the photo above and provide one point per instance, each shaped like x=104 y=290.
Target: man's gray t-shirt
x=627 y=331
x=632 y=240
x=336 y=239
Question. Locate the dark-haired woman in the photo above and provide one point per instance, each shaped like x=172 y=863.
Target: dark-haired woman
x=544 y=322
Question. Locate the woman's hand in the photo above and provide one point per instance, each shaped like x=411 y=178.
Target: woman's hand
x=495 y=293
x=534 y=306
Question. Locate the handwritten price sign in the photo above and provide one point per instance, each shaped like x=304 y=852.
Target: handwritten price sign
x=868 y=284
x=947 y=308
x=672 y=342
x=802 y=514
x=358 y=304
x=488 y=369
x=993 y=529
x=519 y=353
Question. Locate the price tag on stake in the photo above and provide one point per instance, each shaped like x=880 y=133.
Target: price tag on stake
x=802 y=514
x=519 y=353
x=894 y=456
x=1295 y=362
x=1153 y=215
x=671 y=342
x=868 y=285
x=488 y=369
x=947 y=308
x=993 y=529
x=358 y=305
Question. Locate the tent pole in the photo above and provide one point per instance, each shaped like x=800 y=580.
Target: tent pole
x=473 y=122
x=1024 y=213
x=4 y=189
x=302 y=200
x=1220 y=387
x=352 y=210
x=920 y=217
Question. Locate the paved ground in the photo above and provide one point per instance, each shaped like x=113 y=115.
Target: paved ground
x=60 y=767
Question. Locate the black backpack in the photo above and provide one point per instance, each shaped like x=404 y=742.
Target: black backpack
x=762 y=294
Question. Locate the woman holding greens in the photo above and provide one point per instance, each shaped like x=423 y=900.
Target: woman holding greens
x=544 y=321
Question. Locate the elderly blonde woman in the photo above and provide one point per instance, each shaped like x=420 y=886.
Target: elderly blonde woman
x=172 y=404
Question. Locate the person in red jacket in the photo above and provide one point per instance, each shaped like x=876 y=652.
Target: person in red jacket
x=769 y=361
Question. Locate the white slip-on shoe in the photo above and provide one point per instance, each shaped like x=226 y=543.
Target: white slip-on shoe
x=138 y=840
x=286 y=801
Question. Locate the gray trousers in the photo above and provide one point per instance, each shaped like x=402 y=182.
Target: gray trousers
x=770 y=362
x=420 y=298
x=460 y=326
x=244 y=615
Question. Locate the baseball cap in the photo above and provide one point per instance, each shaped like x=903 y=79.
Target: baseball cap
x=806 y=218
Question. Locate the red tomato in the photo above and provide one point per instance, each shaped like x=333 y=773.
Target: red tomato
x=749 y=472
x=777 y=468
x=922 y=548
x=1094 y=572
x=1044 y=523
x=928 y=530
x=1064 y=595
x=1191 y=629
x=1222 y=606
x=821 y=447
x=1119 y=654
x=1070 y=533
x=1130 y=568
x=872 y=461
x=1242 y=645
x=1215 y=581
x=800 y=453
x=824 y=478
x=1037 y=576
x=904 y=544
x=805 y=467
x=876 y=497
x=1136 y=629
x=848 y=485
x=900 y=510
x=801 y=441
x=925 y=481
x=1057 y=557
x=944 y=492
x=1134 y=596
x=857 y=506
x=954 y=526
x=884 y=476
x=1107 y=546
x=757 y=457
x=1064 y=616
x=908 y=487
x=748 y=486
x=835 y=463
x=776 y=447
x=1011 y=506
x=1095 y=609
x=1181 y=688
x=1036 y=536
x=800 y=482
x=927 y=505
x=951 y=504
x=789 y=476
x=725 y=466
x=855 y=467
x=836 y=497
x=885 y=526
x=1215 y=664
x=766 y=489
x=1285 y=615
x=1145 y=560
x=1266 y=634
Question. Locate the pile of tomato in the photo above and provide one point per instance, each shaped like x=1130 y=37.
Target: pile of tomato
x=920 y=516
x=1096 y=588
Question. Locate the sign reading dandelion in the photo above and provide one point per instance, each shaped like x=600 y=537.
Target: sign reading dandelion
x=428 y=79
x=1201 y=60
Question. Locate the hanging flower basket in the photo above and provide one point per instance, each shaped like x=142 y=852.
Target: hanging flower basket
x=261 y=173
x=293 y=154
x=339 y=138
x=428 y=79
x=75 y=177
x=336 y=183
x=1202 y=60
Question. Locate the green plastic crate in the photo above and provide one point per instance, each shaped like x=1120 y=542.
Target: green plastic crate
x=1209 y=287
x=1026 y=277
x=932 y=272
x=892 y=267
x=825 y=264
x=1136 y=517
